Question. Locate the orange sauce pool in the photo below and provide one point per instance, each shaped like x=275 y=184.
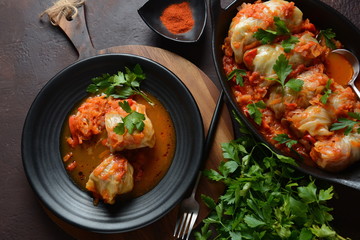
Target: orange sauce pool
x=339 y=68
x=150 y=164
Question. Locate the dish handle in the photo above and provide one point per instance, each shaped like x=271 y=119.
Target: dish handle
x=215 y=10
x=76 y=30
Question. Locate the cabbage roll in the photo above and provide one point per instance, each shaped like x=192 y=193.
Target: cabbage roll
x=112 y=177
x=263 y=58
x=338 y=152
x=314 y=83
x=341 y=101
x=260 y=15
x=137 y=139
x=314 y=120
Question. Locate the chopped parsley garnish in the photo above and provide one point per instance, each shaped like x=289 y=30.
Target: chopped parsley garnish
x=265 y=197
x=254 y=111
x=125 y=106
x=121 y=85
x=327 y=92
x=285 y=139
x=329 y=36
x=282 y=69
x=133 y=121
x=265 y=36
x=239 y=73
x=268 y=36
x=289 y=44
x=346 y=123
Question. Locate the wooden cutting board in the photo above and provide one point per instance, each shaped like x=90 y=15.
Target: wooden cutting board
x=205 y=93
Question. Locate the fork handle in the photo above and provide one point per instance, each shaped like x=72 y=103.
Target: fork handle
x=209 y=137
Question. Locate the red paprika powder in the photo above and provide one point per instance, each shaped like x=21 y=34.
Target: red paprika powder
x=178 y=18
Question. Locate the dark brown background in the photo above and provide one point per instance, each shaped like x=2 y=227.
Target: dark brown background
x=31 y=52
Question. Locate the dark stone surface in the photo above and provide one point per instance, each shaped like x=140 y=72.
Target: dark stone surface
x=32 y=51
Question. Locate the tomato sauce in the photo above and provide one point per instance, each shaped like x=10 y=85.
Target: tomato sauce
x=339 y=68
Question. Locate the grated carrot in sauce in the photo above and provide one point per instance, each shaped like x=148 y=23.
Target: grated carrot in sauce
x=256 y=11
x=88 y=121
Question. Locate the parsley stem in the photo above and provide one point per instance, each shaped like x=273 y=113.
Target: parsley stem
x=141 y=93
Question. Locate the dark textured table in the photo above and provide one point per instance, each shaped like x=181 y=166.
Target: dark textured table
x=32 y=51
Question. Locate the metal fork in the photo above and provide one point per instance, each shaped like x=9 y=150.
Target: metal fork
x=189 y=207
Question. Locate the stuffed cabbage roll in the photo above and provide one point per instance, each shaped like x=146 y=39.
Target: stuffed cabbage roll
x=260 y=15
x=112 y=177
x=263 y=58
x=341 y=101
x=127 y=140
x=282 y=101
x=338 y=152
x=314 y=120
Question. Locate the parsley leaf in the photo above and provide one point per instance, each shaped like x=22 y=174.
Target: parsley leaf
x=239 y=73
x=327 y=92
x=268 y=36
x=281 y=28
x=254 y=111
x=121 y=85
x=289 y=44
x=323 y=232
x=328 y=35
x=282 y=69
x=133 y=121
x=119 y=128
x=346 y=123
x=308 y=193
x=125 y=106
x=285 y=139
x=265 y=36
x=354 y=115
x=295 y=84
x=343 y=123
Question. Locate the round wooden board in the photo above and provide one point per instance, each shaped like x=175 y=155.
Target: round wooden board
x=206 y=95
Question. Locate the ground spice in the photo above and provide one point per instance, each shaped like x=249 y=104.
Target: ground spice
x=178 y=18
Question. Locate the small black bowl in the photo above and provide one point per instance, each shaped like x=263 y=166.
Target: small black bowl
x=151 y=11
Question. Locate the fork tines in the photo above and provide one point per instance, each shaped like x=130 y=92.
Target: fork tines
x=184 y=225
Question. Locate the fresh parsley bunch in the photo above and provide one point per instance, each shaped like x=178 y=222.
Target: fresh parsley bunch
x=265 y=197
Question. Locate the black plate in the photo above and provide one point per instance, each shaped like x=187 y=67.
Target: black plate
x=323 y=17
x=151 y=11
x=41 y=146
